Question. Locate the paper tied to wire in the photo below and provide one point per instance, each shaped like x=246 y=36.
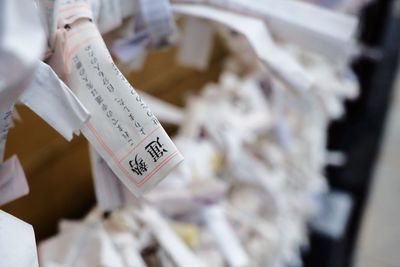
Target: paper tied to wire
x=122 y=128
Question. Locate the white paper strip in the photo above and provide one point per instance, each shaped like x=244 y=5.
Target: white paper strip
x=108 y=188
x=196 y=44
x=52 y=100
x=17 y=242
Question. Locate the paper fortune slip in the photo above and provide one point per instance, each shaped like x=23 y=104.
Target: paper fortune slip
x=122 y=128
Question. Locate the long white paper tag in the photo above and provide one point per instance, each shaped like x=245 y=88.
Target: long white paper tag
x=122 y=128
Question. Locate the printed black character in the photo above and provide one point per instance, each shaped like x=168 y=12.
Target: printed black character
x=138 y=165
x=155 y=149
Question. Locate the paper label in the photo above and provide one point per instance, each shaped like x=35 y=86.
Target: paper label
x=122 y=128
x=196 y=44
x=13 y=183
x=17 y=242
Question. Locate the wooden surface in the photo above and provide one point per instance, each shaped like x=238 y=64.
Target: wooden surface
x=59 y=172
